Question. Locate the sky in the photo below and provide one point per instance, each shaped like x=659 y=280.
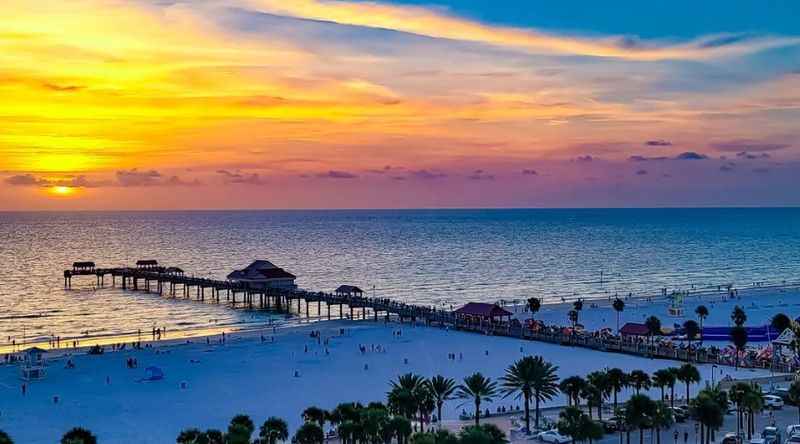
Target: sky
x=206 y=104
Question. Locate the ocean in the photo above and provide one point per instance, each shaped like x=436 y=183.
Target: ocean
x=434 y=257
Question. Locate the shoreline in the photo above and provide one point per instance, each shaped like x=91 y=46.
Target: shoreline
x=519 y=309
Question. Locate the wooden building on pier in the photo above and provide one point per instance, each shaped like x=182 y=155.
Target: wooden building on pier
x=264 y=275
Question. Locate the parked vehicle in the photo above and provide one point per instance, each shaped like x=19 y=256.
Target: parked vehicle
x=771 y=435
x=679 y=414
x=793 y=430
x=553 y=437
x=773 y=402
x=731 y=438
x=609 y=426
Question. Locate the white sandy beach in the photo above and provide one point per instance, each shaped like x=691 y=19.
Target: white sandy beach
x=248 y=376
x=760 y=305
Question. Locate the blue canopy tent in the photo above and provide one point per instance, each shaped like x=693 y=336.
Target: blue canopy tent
x=154 y=374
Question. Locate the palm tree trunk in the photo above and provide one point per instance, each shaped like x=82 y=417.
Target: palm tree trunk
x=528 y=414
x=641 y=435
x=537 y=412
x=662 y=393
x=687 y=392
x=439 y=411
x=477 y=413
x=658 y=435
x=672 y=395
x=615 y=398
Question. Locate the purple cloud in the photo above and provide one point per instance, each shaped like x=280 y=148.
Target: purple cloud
x=25 y=180
x=658 y=142
x=239 y=178
x=334 y=174
x=740 y=145
x=529 y=172
x=691 y=155
x=428 y=175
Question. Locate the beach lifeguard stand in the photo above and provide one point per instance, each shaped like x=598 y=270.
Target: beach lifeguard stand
x=675 y=309
x=34 y=365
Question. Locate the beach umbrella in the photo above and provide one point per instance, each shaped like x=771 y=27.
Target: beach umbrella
x=154 y=373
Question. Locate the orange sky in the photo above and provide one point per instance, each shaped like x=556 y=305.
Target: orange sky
x=310 y=103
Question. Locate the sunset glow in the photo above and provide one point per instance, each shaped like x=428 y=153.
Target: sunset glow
x=392 y=103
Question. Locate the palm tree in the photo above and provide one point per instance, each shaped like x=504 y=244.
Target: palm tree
x=662 y=379
x=5 y=439
x=709 y=413
x=639 y=380
x=534 y=305
x=406 y=395
x=780 y=322
x=315 y=414
x=593 y=397
x=240 y=430
x=401 y=428
x=570 y=422
x=688 y=374
x=617 y=380
x=478 y=389
x=702 y=313
x=602 y=385
x=78 y=435
x=531 y=377
x=691 y=329
x=671 y=385
x=738 y=316
x=653 y=325
x=753 y=401
x=639 y=410
x=273 y=430
x=309 y=433
x=572 y=387
x=739 y=339
x=737 y=393
x=619 y=306
x=442 y=390
x=794 y=396
x=661 y=419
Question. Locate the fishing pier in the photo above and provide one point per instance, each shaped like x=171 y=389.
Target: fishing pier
x=150 y=277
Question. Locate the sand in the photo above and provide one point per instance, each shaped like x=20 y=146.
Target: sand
x=205 y=385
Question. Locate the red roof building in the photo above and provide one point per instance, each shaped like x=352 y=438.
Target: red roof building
x=481 y=312
x=634 y=329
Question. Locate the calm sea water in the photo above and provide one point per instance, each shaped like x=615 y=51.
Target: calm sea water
x=437 y=257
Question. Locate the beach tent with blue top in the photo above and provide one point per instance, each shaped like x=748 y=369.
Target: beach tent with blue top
x=154 y=374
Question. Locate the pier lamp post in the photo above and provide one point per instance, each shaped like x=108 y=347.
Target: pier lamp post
x=713 y=367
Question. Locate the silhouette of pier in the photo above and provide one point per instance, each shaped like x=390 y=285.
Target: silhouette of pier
x=150 y=277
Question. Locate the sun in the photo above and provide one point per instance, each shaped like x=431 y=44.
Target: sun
x=62 y=191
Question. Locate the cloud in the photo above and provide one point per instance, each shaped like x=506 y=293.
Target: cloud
x=641 y=172
x=761 y=170
x=529 y=172
x=586 y=158
x=691 y=155
x=748 y=145
x=658 y=142
x=480 y=175
x=239 y=178
x=637 y=158
x=334 y=174
x=433 y=23
x=727 y=167
x=30 y=180
x=752 y=156
x=136 y=178
x=26 y=180
x=428 y=175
